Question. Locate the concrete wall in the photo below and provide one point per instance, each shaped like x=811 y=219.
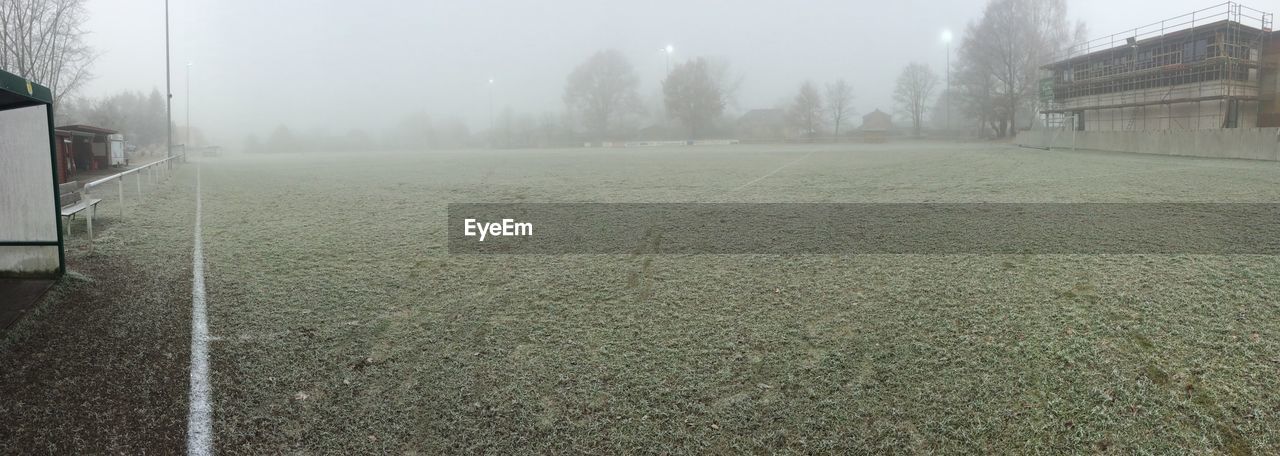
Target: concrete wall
x=1251 y=143
x=1199 y=115
x=27 y=211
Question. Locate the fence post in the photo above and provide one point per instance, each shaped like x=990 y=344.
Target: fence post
x=1074 y=129
x=93 y=209
x=138 y=176
x=121 y=188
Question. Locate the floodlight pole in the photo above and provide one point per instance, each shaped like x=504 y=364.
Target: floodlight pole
x=490 y=113
x=187 y=142
x=168 y=89
x=669 y=49
x=948 y=100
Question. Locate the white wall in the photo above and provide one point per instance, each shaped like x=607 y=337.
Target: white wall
x=1250 y=143
x=1203 y=115
x=27 y=211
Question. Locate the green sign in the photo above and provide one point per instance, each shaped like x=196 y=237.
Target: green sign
x=1046 y=90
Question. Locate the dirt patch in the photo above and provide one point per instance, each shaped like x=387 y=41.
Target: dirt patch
x=100 y=365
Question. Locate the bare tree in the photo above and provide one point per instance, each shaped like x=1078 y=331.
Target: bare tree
x=915 y=85
x=806 y=110
x=414 y=131
x=43 y=40
x=975 y=88
x=1001 y=54
x=696 y=92
x=548 y=129
x=839 y=103
x=602 y=90
x=139 y=116
x=283 y=140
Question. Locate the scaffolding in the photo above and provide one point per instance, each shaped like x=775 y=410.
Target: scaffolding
x=1200 y=70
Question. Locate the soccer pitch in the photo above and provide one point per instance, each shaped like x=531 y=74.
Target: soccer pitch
x=341 y=323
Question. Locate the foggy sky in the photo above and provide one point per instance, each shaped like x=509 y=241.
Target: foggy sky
x=364 y=64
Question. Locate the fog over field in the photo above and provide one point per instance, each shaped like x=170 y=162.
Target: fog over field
x=625 y=227
x=336 y=66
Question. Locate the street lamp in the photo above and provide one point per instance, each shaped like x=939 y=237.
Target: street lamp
x=946 y=38
x=669 y=49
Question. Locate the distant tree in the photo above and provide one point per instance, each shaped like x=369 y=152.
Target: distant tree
x=938 y=112
x=504 y=129
x=975 y=93
x=151 y=126
x=839 y=103
x=282 y=140
x=695 y=93
x=357 y=139
x=915 y=85
x=139 y=117
x=549 y=131
x=602 y=90
x=806 y=110
x=415 y=131
x=43 y=40
x=197 y=135
x=1002 y=52
x=449 y=133
x=121 y=112
x=252 y=145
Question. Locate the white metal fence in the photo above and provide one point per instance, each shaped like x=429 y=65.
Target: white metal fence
x=152 y=173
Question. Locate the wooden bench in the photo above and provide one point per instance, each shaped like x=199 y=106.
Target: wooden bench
x=73 y=202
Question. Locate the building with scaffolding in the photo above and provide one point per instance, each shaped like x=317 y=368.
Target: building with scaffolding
x=1210 y=69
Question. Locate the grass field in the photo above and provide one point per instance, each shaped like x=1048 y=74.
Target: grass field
x=342 y=324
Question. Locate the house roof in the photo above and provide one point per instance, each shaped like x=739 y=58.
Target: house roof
x=763 y=117
x=87 y=129
x=877 y=121
x=876 y=113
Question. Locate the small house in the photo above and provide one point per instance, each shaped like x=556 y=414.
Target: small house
x=876 y=126
x=87 y=148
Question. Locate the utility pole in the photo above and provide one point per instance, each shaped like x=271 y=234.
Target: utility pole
x=187 y=142
x=168 y=88
x=491 y=113
x=946 y=38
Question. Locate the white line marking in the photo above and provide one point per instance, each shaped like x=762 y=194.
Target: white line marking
x=780 y=168
x=200 y=416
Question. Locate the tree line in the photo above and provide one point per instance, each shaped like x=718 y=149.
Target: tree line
x=140 y=117
x=993 y=88
x=602 y=95
x=992 y=93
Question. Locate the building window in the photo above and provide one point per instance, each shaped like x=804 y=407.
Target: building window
x=1144 y=60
